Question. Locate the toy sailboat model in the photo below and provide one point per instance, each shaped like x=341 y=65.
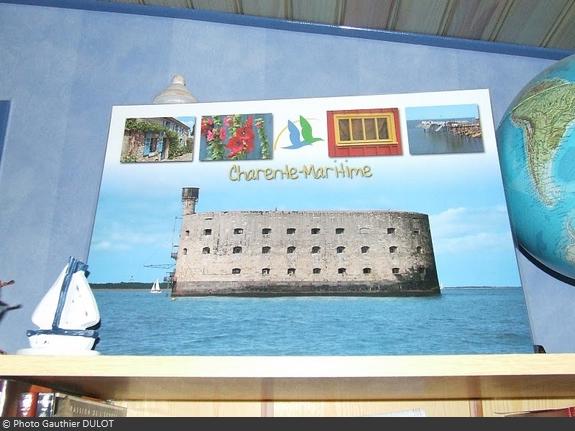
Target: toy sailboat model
x=156 y=287
x=64 y=315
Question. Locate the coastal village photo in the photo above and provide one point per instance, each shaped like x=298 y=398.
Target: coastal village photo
x=444 y=129
x=320 y=223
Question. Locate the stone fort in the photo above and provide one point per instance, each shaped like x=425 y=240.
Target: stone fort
x=303 y=253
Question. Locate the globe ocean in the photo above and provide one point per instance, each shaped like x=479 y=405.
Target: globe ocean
x=536 y=145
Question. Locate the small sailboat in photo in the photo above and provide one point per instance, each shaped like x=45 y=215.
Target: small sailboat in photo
x=65 y=314
x=156 y=287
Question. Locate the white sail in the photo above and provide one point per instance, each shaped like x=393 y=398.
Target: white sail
x=43 y=315
x=80 y=309
x=155 y=287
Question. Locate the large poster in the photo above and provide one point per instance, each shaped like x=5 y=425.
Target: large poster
x=367 y=225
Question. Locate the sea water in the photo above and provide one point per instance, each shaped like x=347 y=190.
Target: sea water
x=460 y=321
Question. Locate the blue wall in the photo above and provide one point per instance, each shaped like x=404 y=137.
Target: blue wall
x=63 y=70
x=4 y=111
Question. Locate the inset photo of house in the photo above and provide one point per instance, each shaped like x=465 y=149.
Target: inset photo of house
x=160 y=139
x=450 y=129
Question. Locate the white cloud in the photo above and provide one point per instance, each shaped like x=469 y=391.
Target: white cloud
x=480 y=241
x=122 y=238
x=469 y=229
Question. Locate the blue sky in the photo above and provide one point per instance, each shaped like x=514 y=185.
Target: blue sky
x=442 y=112
x=188 y=121
x=137 y=225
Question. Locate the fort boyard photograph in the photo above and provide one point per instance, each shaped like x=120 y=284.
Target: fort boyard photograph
x=289 y=253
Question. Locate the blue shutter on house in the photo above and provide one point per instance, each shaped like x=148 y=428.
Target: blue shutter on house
x=161 y=142
x=147 y=143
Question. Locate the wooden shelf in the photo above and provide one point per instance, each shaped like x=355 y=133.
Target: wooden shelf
x=195 y=378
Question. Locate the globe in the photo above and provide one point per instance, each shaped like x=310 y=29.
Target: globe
x=536 y=144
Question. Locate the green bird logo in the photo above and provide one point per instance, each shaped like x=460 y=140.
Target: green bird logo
x=300 y=139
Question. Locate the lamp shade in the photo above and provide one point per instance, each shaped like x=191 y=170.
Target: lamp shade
x=176 y=92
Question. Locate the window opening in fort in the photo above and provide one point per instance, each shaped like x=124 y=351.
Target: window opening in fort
x=266 y=250
x=291 y=271
x=265 y=271
x=364 y=249
x=340 y=249
x=390 y=230
x=185 y=251
x=187 y=234
x=395 y=270
x=315 y=231
x=416 y=232
x=236 y=270
x=316 y=270
x=207 y=231
x=291 y=249
x=237 y=250
x=266 y=231
x=206 y=250
x=341 y=271
x=367 y=270
x=418 y=249
x=420 y=269
x=393 y=249
x=315 y=249
x=291 y=230
x=339 y=230
x=238 y=231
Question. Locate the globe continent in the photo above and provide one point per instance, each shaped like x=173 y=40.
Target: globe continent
x=536 y=143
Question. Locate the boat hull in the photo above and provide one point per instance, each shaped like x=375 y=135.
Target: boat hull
x=62 y=344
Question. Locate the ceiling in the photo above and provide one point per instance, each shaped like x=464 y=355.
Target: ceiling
x=541 y=23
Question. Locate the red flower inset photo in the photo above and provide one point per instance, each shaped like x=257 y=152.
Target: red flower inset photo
x=236 y=137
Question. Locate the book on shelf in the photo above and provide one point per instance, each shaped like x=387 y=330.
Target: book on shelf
x=13 y=402
x=22 y=399
x=27 y=402
x=57 y=404
x=564 y=412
